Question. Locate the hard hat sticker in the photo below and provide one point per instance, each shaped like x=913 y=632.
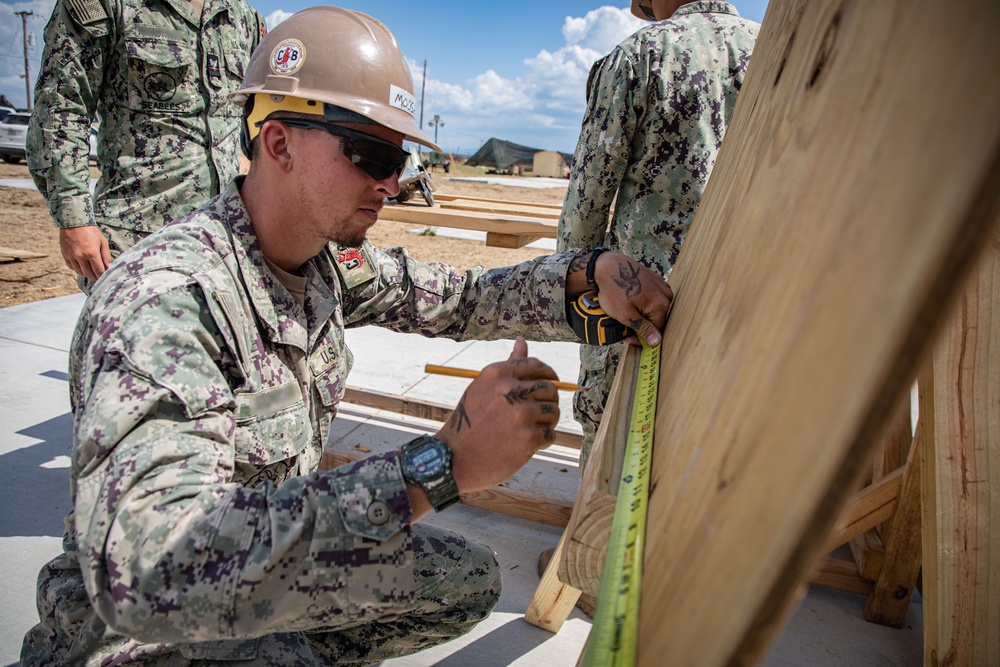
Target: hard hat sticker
x=288 y=57
x=402 y=99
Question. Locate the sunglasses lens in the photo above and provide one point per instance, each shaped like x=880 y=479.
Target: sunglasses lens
x=376 y=159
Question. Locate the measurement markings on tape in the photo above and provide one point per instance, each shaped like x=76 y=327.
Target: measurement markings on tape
x=615 y=633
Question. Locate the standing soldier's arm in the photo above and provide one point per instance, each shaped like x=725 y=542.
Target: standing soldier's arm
x=66 y=99
x=602 y=153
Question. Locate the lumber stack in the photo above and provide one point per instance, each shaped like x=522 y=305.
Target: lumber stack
x=508 y=224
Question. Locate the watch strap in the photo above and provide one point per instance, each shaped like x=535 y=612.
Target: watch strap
x=442 y=491
x=592 y=265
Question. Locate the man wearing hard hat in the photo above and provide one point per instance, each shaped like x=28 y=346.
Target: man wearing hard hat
x=208 y=364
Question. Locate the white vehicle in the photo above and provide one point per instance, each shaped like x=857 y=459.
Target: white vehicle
x=13 y=131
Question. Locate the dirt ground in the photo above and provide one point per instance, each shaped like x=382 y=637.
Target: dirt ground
x=25 y=224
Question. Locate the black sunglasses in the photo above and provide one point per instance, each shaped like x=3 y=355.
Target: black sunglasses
x=376 y=157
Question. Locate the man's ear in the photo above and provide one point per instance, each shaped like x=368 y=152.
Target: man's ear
x=274 y=139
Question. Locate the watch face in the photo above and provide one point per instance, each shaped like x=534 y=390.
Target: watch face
x=426 y=461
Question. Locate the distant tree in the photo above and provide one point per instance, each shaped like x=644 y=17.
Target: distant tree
x=4 y=102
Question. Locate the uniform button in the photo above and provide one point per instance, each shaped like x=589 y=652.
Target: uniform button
x=378 y=513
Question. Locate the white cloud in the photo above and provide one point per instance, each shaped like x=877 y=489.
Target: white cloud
x=276 y=17
x=601 y=29
x=541 y=107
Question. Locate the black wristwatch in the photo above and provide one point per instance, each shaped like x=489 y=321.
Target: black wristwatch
x=591 y=265
x=426 y=462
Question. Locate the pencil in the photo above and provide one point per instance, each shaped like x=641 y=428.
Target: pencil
x=466 y=373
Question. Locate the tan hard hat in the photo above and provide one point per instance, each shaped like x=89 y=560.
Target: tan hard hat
x=338 y=57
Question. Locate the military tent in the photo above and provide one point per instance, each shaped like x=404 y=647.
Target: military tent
x=502 y=155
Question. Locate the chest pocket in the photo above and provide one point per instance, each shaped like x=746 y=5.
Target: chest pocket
x=330 y=364
x=272 y=430
x=162 y=76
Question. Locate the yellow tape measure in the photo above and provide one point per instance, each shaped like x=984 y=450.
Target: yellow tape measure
x=615 y=633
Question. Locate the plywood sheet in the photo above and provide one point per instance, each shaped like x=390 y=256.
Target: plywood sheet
x=858 y=182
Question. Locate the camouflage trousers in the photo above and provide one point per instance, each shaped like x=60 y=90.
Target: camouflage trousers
x=119 y=240
x=597 y=372
x=457 y=586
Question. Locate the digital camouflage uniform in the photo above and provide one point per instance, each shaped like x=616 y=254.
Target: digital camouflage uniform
x=158 y=75
x=657 y=109
x=202 y=396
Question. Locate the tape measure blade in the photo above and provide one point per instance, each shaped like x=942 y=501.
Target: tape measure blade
x=614 y=634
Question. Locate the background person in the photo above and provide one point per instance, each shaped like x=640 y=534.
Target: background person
x=657 y=109
x=157 y=75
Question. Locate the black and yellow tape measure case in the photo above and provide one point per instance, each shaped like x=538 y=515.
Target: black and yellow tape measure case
x=592 y=324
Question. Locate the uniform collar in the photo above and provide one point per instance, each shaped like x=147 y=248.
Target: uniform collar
x=275 y=307
x=210 y=9
x=705 y=7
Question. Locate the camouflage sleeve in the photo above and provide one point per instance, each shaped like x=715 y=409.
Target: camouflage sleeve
x=261 y=29
x=434 y=299
x=602 y=152
x=66 y=97
x=171 y=549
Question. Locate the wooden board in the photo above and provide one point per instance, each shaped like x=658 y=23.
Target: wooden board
x=961 y=520
x=498 y=223
x=438 y=412
x=856 y=186
x=14 y=254
x=512 y=502
x=501 y=208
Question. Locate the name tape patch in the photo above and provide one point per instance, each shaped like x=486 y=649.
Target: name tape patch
x=402 y=99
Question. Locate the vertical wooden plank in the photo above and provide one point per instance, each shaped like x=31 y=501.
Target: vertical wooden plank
x=553 y=601
x=859 y=181
x=962 y=504
x=890 y=598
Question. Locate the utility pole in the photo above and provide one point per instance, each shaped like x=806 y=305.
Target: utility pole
x=423 y=87
x=435 y=123
x=27 y=78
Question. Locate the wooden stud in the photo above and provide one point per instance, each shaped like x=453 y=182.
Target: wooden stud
x=890 y=598
x=961 y=449
x=436 y=216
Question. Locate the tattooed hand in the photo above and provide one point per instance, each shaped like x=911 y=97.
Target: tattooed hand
x=507 y=414
x=629 y=292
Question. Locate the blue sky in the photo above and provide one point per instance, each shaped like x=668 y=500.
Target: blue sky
x=514 y=70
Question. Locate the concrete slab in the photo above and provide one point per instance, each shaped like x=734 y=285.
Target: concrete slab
x=532 y=182
x=827 y=629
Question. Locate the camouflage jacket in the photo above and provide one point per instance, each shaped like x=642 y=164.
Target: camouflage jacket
x=157 y=75
x=202 y=394
x=657 y=109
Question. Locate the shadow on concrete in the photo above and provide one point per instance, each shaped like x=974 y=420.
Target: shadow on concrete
x=34 y=483
x=504 y=645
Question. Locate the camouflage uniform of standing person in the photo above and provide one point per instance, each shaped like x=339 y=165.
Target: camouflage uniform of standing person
x=657 y=109
x=157 y=74
x=208 y=364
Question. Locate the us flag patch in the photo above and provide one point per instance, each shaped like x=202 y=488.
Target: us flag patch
x=86 y=11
